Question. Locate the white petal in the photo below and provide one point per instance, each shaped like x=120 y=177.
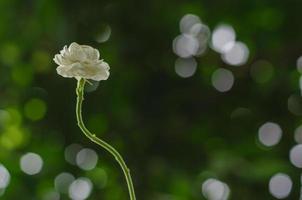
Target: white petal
x=102 y=72
x=78 y=70
x=77 y=55
x=57 y=59
x=95 y=54
x=64 y=50
x=81 y=61
x=61 y=60
x=74 y=46
x=91 y=53
x=64 y=71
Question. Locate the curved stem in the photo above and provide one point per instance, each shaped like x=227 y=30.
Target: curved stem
x=98 y=141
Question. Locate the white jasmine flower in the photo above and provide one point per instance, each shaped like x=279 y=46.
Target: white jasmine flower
x=81 y=61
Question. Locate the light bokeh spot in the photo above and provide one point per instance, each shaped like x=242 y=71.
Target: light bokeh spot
x=185 y=67
x=185 y=45
x=63 y=181
x=93 y=86
x=295 y=155
x=187 y=22
x=299 y=64
x=99 y=177
x=294 y=104
x=269 y=134
x=35 y=109
x=194 y=37
x=202 y=33
x=223 y=38
x=213 y=189
x=31 y=163
x=80 y=189
x=236 y=55
x=223 y=80
x=71 y=152
x=4 y=177
x=298 y=134
x=87 y=159
x=280 y=185
x=104 y=35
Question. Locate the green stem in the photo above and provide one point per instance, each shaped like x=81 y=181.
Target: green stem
x=98 y=141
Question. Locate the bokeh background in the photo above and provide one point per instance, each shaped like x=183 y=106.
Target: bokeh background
x=203 y=100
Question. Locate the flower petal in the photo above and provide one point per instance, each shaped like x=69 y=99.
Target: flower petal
x=65 y=71
x=81 y=61
x=76 y=52
x=91 y=53
x=61 y=60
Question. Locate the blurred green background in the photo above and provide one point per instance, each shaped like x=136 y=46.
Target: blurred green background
x=168 y=117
